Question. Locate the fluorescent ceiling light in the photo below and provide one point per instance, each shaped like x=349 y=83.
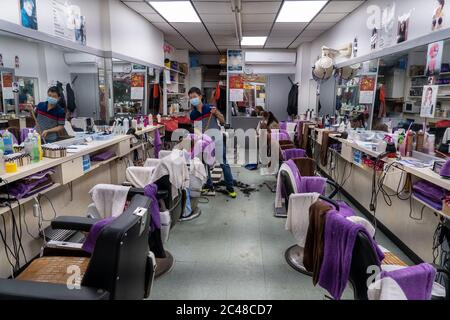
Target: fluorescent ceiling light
x=300 y=11
x=176 y=11
x=253 y=41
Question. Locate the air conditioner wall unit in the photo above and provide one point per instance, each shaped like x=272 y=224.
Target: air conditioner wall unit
x=270 y=57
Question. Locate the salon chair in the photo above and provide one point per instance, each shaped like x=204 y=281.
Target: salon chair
x=364 y=257
x=120 y=267
x=294 y=254
x=175 y=206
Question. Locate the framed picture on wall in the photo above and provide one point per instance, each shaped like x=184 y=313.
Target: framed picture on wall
x=438 y=16
x=429 y=100
x=28 y=14
x=434 y=58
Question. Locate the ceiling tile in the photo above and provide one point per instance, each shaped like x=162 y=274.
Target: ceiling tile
x=218 y=18
x=258 y=18
x=226 y=40
x=153 y=17
x=220 y=27
x=141 y=7
x=265 y=27
x=321 y=25
x=312 y=33
x=341 y=6
x=213 y=7
x=330 y=17
x=257 y=7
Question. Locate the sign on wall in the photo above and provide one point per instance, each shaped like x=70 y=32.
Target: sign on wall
x=429 y=99
x=137 y=86
x=367 y=89
x=68 y=23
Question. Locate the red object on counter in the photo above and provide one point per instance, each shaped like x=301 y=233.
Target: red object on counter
x=170 y=124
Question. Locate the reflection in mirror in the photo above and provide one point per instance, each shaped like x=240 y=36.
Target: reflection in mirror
x=355 y=93
x=29 y=68
x=248 y=94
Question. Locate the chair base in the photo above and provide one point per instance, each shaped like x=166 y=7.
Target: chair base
x=294 y=258
x=280 y=212
x=164 y=265
x=194 y=215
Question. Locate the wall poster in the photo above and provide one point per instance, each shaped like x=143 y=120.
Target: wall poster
x=434 y=58
x=68 y=22
x=137 y=86
x=28 y=14
x=429 y=99
x=367 y=89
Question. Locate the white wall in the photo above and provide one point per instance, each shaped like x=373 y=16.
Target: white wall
x=133 y=36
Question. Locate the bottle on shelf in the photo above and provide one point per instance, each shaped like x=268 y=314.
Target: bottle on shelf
x=150 y=119
x=35 y=155
x=28 y=144
x=2 y=162
x=126 y=125
x=8 y=142
x=134 y=124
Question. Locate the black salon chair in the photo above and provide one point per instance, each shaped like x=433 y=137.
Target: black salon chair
x=119 y=268
x=364 y=257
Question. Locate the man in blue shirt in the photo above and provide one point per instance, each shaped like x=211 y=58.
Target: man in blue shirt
x=210 y=117
x=49 y=116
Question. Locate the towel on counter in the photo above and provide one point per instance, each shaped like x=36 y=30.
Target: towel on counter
x=94 y=233
x=175 y=166
x=150 y=191
x=404 y=283
x=298 y=215
x=109 y=199
x=157 y=143
x=293 y=174
x=293 y=153
x=339 y=239
x=139 y=177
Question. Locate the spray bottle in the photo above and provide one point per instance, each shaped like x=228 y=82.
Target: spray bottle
x=8 y=142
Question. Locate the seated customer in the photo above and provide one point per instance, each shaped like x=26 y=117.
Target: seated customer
x=269 y=121
x=49 y=116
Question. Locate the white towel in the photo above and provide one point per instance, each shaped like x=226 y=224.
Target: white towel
x=139 y=177
x=366 y=224
x=278 y=197
x=388 y=289
x=298 y=215
x=175 y=166
x=197 y=169
x=109 y=199
x=164 y=153
x=446 y=136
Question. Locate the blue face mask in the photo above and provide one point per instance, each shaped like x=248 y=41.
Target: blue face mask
x=52 y=100
x=195 y=102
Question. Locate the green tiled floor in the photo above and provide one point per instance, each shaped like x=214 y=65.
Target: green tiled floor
x=235 y=250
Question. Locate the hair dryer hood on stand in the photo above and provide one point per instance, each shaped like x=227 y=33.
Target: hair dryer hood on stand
x=324 y=67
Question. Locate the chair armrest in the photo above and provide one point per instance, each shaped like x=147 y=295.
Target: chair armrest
x=73 y=223
x=29 y=290
x=335 y=187
x=161 y=194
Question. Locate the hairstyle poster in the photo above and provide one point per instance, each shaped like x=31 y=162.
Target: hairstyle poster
x=429 y=100
x=402 y=29
x=28 y=15
x=434 y=58
x=437 y=21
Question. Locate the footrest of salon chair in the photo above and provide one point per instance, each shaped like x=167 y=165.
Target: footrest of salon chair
x=392 y=260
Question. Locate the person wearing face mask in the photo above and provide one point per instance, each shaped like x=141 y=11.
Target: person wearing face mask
x=49 y=116
x=209 y=118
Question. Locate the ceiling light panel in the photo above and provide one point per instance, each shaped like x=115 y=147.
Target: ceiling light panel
x=300 y=11
x=176 y=11
x=253 y=41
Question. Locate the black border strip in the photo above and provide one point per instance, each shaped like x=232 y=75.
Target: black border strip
x=273 y=23
x=399 y=243
x=204 y=26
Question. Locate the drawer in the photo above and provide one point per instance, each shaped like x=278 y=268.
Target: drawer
x=395 y=178
x=70 y=170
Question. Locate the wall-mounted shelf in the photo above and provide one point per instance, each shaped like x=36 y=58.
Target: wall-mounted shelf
x=431 y=208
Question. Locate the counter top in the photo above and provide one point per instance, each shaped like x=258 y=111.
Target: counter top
x=47 y=163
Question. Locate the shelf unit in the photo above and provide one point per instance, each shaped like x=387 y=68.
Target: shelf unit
x=175 y=90
x=441 y=213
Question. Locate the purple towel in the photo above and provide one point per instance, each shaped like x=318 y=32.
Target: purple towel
x=293 y=153
x=313 y=184
x=283 y=135
x=96 y=229
x=157 y=143
x=298 y=178
x=24 y=134
x=103 y=156
x=150 y=191
x=31 y=184
x=204 y=148
x=416 y=281
x=283 y=125
x=339 y=240
x=344 y=209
